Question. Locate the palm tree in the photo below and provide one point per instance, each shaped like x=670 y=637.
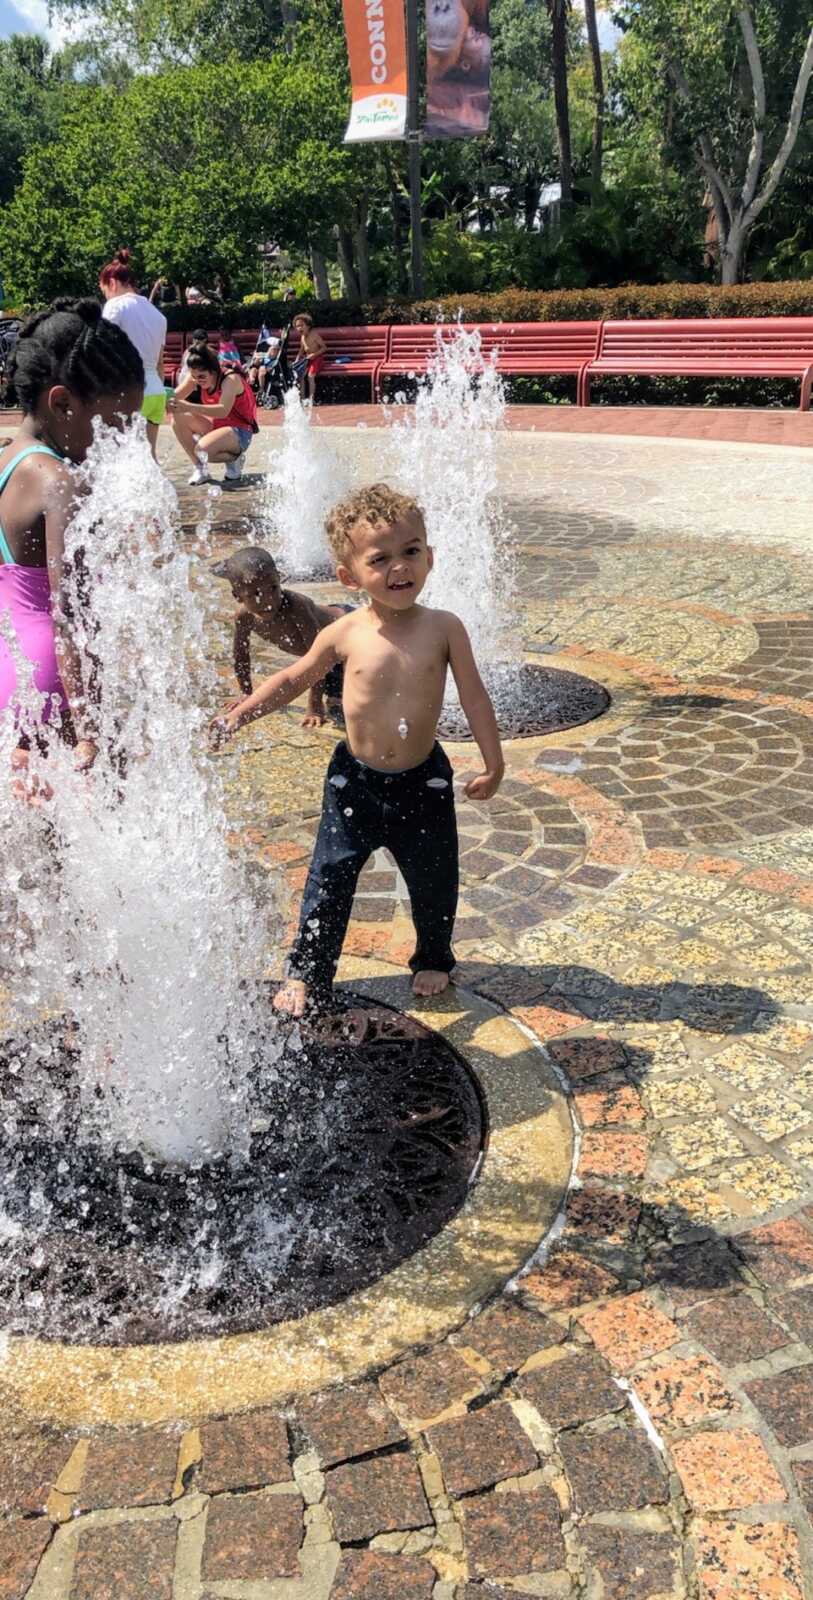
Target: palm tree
x=559 y=11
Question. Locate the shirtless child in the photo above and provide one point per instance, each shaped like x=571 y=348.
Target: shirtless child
x=390 y=783
x=311 y=355
x=282 y=617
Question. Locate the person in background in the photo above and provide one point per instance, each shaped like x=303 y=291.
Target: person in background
x=222 y=426
x=281 y=617
x=145 y=327
x=311 y=355
x=199 y=336
x=71 y=368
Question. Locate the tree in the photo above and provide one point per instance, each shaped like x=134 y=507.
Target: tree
x=598 y=91
x=28 y=112
x=736 y=73
x=558 y=10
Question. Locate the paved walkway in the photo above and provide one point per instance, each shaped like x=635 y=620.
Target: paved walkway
x=738 y=425
x=634 y=1418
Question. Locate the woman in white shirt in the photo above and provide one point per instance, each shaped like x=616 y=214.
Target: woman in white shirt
x=146 y=328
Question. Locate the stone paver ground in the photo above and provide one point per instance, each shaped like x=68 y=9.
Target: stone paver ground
x=634 y=1418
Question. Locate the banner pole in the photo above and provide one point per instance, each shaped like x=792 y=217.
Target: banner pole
x=414 y=147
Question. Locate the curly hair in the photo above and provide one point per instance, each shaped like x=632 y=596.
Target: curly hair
x=376 y=504
x=72 y=344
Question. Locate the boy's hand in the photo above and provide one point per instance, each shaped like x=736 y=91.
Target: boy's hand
x=484 y=785
x=315 y=715
x=223 y=726
x=85 y=754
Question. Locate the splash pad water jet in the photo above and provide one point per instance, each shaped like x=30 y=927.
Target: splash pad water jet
x=172 y=1162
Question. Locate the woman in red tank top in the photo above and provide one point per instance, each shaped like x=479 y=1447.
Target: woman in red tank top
x=222 y=426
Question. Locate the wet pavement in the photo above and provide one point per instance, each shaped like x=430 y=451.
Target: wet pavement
x=633 y=1418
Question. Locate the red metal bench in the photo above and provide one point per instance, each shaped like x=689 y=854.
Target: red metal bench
x=173 y=356
x=707 y=347
x=524 y=349
x=351 y=352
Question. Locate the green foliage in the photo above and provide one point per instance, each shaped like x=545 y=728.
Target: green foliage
x=228 y=138
x=664 y=300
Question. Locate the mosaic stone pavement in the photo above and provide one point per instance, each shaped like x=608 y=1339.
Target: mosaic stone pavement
x=633 y=1419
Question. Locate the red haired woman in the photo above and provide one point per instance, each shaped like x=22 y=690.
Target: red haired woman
x=145 y=327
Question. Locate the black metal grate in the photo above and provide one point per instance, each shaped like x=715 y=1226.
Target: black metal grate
x=532 y=700
x=370 y=1144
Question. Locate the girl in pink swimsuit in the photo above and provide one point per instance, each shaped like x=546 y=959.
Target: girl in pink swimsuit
x=69 y=368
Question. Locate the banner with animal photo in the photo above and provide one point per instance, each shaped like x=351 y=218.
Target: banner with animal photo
x=458 y=68
x=376 y=47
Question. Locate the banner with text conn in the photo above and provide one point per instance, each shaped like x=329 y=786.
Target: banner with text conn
x=376 y=46
x=458 y=68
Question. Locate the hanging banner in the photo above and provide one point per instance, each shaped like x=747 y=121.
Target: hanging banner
x=458 y=68
x=376 y=46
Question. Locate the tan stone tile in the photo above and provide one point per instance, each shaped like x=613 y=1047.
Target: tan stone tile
x=747 y=1067
x=700 y=956
x=695 y=1198
x=679 y=1097
x=783 y=1033
x=697 y=1145
x=772 y=1115
x=801 y=1149
x=770 y=957
x=730 y=932
x=766 y=1182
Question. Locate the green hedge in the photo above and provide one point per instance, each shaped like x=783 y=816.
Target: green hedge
x=659 y=300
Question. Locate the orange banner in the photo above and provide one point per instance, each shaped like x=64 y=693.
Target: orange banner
x=376 y=46
x=458 y=68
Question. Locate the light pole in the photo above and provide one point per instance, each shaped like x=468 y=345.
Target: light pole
x=414 y=148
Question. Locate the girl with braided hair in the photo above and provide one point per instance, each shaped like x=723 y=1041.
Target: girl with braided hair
x=69 y=368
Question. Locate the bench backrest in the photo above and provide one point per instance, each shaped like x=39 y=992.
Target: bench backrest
x=568 y=341
x=726 y=339
x=360 y=344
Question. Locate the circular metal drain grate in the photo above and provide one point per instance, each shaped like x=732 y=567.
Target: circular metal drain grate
x=532 y=700
x=365 y=1148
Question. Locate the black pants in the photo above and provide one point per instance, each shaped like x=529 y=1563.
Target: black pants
x=412 y=814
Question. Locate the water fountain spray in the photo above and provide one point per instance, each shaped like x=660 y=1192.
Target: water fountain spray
x=305 y=480
x=152 y=923
x=446 y=455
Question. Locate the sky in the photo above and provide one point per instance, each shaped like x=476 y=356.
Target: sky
x=28 y=16
x=31 y=16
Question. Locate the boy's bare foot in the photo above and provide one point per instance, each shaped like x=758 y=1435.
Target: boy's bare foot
x=427 y=983
x=292 y=998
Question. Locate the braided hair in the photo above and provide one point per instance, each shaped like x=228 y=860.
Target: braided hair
x=72 y=344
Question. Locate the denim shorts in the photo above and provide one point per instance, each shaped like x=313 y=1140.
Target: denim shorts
x=244 y=437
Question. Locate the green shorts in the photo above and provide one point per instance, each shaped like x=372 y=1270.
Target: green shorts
x=154 y=408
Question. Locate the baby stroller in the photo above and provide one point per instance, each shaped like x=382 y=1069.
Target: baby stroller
x=9 y=333
x=278 y=376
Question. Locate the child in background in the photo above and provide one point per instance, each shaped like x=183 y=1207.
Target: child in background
x=279 y=616
x=312 y=355
x=390 y=783
x=69 y=368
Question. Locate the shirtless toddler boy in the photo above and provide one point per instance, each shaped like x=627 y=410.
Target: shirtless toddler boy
x=390 y=783
x=282 y=617
x=311 y=356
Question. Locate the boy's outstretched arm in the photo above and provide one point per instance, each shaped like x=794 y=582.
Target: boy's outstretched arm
x=280 y=689
x=479 y=712
x=242 y=651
